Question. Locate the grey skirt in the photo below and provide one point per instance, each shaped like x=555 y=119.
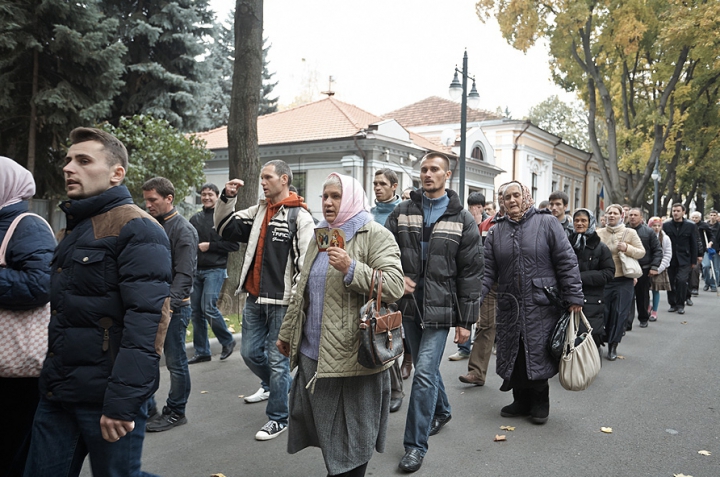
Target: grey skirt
x=345 y=417
x=660 y=282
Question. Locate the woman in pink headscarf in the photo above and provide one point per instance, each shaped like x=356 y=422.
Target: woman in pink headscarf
x=335 y=403
x=24 y=285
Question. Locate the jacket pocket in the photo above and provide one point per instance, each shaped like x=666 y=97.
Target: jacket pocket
x=89 y=272
x=538 y=293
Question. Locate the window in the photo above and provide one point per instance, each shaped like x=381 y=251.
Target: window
x=554 y=186
x=534 y=186
x=477 y=153
x=577 y=198
x=566 y=189
x=299 y=182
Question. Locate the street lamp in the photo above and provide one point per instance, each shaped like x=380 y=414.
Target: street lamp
x=457 y=91
x=656 y=177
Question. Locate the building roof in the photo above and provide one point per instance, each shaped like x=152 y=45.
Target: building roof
x=436 y=110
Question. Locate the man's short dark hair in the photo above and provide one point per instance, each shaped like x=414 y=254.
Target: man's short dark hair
x=713 y=211
x=209 y=186
x=160 y=185
x=558 y=194
x=543 y=204
x=679 y=204
x=281 y=169
x=432 y=155
x=636 y=208
x=389 y=174
x=292 y=188
x=476 y=198
x=116 y=152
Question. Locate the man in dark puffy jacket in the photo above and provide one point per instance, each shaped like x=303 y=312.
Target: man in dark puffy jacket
x=684 y=238
x=159 y=194
x=110 y=309
x=442 y=261
x=209 y=278
x=649 y=263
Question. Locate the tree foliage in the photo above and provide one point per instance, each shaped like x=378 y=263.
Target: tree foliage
x=163 y=78
x=156 y=148
x=59 y=68
x=564 y=120
x=636 y=65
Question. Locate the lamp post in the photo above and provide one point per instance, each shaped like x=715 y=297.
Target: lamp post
x=656 y=177
x=457 y=91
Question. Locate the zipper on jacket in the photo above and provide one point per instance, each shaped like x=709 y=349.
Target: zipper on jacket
x=105 y=324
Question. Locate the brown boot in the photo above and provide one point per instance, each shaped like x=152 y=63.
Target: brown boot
x=406 y=366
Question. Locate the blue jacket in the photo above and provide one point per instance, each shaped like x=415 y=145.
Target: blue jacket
x=25 y=282
x=382 y=210
x=111 y=277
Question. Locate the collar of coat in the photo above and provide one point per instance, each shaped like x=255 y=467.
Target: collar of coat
x=454 y=205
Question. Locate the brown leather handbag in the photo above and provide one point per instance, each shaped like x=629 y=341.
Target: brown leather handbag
x=380 y=329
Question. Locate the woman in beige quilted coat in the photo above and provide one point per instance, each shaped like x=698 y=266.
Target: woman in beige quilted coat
x=619 y=292
x=335 y=403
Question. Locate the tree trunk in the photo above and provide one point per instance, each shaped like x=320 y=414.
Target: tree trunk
x=242 y=133
x=32 y=132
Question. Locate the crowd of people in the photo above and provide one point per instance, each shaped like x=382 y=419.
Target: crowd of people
x=123 y=284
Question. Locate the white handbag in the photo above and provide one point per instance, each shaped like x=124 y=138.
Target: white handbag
x=580 y=363
x=23 y=333
x=630 y=267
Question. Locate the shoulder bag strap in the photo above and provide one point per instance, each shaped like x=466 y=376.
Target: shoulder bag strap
x=11 y=230
x=379 y=292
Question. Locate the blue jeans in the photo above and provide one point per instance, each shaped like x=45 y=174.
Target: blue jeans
x=711 y=280
x=64 y=434
x=260 y=328
x=427 y=398
x=206 y=290
x=176 y=361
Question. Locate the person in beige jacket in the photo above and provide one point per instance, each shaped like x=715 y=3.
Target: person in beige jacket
x=619 y=292
x=335 y=403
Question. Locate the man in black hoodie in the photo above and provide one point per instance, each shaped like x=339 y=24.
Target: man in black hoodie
x=209 y=278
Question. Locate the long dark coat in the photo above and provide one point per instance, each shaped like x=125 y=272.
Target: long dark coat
x=523 y=257
x=597 y=268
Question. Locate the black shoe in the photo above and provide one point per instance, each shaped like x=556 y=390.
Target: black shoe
x=643 y=324
x=520 y=405
x=152 y=413
x=694 y=292
x=689 y=302
x=438 y=423
x=540 y=409
x=199 y=359
x=706 y=287
x=411 y=461
x=681 y=311
x=227 y=350
x=672 y=309
x=395 y=404
x=166 y=421
x=612 y=352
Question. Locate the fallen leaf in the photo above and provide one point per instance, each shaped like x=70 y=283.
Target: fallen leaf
x=241 y=396
x=203 y=392
x=621 y=356
x=507 y=428
x=606 y=430
x=704 y=452
x=499 y=438
x=188 y=333
x=218 y=475
x=231 y=329
x=683 y=322
x=681 y=475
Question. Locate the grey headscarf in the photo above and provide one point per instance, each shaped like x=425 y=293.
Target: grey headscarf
x=579 y=240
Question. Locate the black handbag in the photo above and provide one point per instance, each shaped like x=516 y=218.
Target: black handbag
x=557 y=337
x=380 y=329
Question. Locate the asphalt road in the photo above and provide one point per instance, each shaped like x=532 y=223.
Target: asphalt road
x=661 y=399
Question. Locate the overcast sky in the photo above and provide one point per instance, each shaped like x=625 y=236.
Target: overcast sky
x=385 y=54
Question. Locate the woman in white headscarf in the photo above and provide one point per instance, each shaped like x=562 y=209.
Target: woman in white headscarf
x=619 y=292
x=335 y=403
x=24 y=285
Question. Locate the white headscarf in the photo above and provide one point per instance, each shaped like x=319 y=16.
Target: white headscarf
x=16 y=182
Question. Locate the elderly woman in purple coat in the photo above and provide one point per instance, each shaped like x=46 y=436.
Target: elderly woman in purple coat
x=526 y=251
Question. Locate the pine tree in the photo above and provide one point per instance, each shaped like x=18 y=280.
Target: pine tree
x=220 y=61
x=163 y=77
x=59 y=68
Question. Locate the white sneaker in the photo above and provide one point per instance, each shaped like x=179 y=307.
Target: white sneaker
x=259 y=396
x=270 y=431
x=458 y=356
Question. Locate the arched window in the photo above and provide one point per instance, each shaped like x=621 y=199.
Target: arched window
x=477 y=153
